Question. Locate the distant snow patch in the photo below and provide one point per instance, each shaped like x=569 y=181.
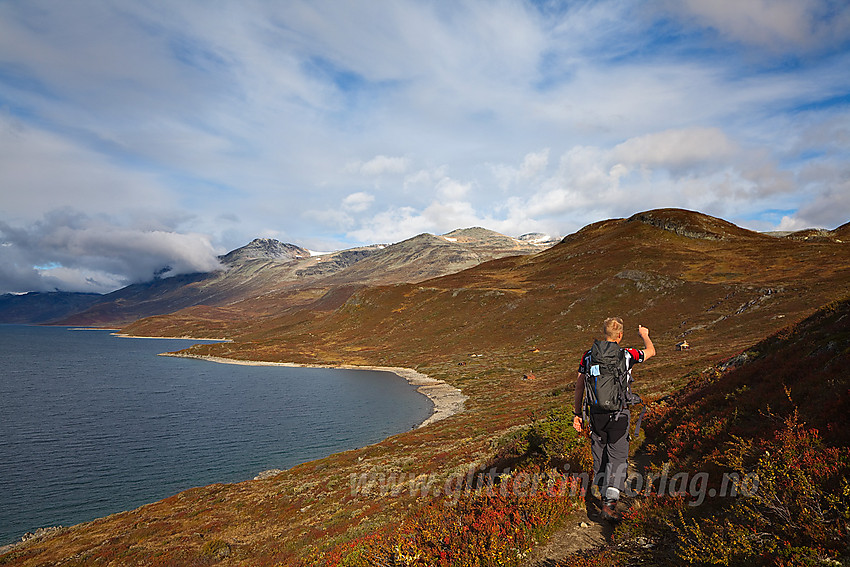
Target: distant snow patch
x=536 y=238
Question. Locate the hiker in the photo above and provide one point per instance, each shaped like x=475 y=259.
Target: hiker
x=608 y=416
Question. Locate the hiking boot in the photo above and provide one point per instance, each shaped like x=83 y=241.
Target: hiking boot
x=609 y=512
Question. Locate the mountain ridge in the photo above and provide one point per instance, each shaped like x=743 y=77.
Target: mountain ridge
x=693 y=224
x=518 y=316
x=268 y=267
x=265 y=248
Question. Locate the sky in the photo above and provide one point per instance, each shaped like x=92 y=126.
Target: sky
x=143 y=137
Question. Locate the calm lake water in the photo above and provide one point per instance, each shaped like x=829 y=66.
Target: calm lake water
x=92 y=424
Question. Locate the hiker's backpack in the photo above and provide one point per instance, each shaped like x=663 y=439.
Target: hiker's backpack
x=607 y=379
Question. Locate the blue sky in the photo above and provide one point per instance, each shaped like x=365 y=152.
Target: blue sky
x=141 y=134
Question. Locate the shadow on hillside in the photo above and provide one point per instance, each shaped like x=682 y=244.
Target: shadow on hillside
x=593 y=509
x=582 y=532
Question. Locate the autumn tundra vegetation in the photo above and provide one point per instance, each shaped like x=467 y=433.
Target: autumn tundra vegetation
x=742 y=458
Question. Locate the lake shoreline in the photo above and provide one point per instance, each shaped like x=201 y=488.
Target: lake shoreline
x=447 y=399
x=182 y=338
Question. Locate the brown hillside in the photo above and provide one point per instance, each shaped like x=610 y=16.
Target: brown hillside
x=270 y=276
x=246 y=277
x=843 y=232
x=718 y=292
x=799 y=369
x=840 y=234
x=693 y=225
x=775 y=413
x=812 y=234
x=531 y=314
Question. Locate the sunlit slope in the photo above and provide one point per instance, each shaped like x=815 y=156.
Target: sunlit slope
x=683 y=274
x=266 y=277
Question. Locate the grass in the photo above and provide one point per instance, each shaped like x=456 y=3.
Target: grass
x=776 y=421
x=522 y=314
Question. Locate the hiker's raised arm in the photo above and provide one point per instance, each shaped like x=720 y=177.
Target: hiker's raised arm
x=579 y=399
x=649 y=348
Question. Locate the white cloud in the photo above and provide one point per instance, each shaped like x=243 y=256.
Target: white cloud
x=451 y=190
x=828 y=204
x=391 y=225
x=695 y=168
x=43 y=170
x=376 y=120
x=381 y=165
x=776 y=24
x=84 y=253
x=77 y=279
x=791 y=223
x=676 y=149
x=533 y=165
x=270 y=233
x=557 y=201
x=332 y=218
x=446 y=216
x=358 y=202
x=421 y=178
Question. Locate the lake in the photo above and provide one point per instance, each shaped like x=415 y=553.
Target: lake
x=92 y=424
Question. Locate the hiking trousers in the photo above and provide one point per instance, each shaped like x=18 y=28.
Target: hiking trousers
x=609 y=443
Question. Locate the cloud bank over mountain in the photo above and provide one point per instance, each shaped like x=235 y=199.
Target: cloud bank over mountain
x=331 y=124
x=71 y=251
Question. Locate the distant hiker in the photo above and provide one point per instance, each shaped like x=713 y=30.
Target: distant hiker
x=602 y=397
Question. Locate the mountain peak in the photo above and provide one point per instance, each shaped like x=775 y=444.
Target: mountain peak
x=692 y=224
x=538 y=238
x=478 y=235
x=473 y=232
x=265 y=248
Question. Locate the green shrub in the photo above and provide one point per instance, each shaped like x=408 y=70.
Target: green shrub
x=215 y=549
x=798 y=513
x=554 y=436
x=547 y=442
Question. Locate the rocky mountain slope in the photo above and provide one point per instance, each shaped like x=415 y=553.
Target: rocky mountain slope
x=692 y=277
x=428 y=256
x=265 y=248
x=325 y=282
x=276 y=271
x=680 y=273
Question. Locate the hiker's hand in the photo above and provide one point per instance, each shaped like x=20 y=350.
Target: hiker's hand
x=577 y=423
x=649 y=350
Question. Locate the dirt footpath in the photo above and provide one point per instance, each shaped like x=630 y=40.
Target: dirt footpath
x=581 y=531
x=584 y=529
